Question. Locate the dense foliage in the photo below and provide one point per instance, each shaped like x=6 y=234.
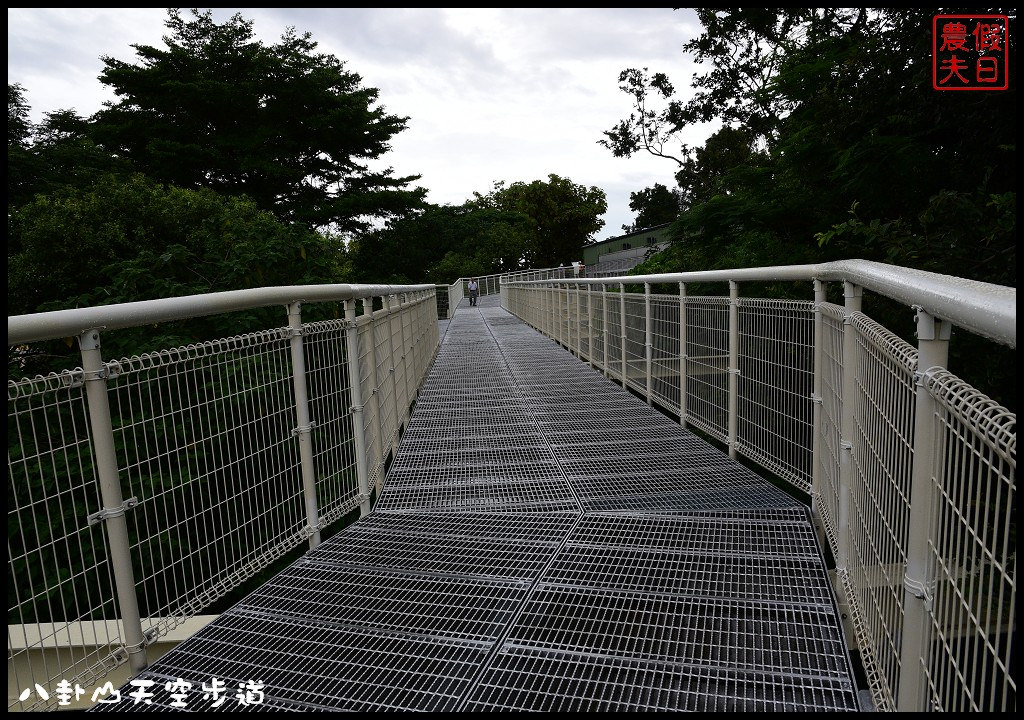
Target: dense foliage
x=832 y=144
x=287 y=126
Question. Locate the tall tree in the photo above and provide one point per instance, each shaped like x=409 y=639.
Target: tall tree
x=443 y=243
x=564 y=216
x=283 y=124
x=655 y=205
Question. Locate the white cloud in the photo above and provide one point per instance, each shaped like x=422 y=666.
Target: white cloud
x=491 y=93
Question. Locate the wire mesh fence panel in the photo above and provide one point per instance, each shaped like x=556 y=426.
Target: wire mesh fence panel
x=973 y=547
x=599 y=333
x=665 y=350
x=443 y=305
x=613 y=334
x=372 y=406
x=330 y=400
x=707 y=363
x=883 y=411
x=636 y=342
x=61 y=615
x=583 y=324
x=826 y=495
x=385 y=381
x=775 y=384
x=205 y=441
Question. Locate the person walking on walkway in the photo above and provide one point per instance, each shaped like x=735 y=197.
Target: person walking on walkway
x=474 y=290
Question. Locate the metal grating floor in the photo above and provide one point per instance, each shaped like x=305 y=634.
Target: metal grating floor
x=544 y=541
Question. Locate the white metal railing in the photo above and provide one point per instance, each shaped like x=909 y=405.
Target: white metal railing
x=910 y=470
x=142 y=489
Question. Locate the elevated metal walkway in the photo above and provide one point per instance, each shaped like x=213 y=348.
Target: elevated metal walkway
x=544 y=541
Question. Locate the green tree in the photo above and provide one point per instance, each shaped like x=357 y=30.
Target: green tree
x=283 y=124
x=80 y=248
x=825 y=110
x=564 y=216
x=655 y=205
x=443 y=243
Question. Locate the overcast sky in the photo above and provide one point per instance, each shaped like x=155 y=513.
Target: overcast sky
x=491 y=94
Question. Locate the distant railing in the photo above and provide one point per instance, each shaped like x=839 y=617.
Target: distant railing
x=142 y=489
x=491 y=284
x=910 y=470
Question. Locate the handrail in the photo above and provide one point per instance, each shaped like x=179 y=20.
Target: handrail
x=66 y=323
x=983 y=308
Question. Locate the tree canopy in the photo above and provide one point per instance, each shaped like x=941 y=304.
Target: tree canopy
x=653 y=206
x=283 y=124
x=832 y=144
x=564 y=216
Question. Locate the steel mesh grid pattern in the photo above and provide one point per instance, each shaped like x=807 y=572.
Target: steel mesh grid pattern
x=880 y=493
x=523 y=679
x=332 y=436
x=627 y=596
x=827 y=495
x=973 y=553
x=460 y=607
x=707 y=362
x=423 y=555
x=496 y=545
x=774 y=388
x=207 y=447
x=387 y=399
x=665 y=349
x=372 y=409
x=50 y=472
x=321 y=667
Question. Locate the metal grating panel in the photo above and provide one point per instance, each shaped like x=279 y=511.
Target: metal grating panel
x=544 y=540
x=552 y=682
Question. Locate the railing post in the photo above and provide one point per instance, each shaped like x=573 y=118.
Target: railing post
x=604 y=329
x=734 y=364
x=114 y=505
x=356 y=390
x=682 y=354
x=852 y=295
x=648 y=342
x=622 y=330
x=816 y=398
x=303 y=424
x=933 y=351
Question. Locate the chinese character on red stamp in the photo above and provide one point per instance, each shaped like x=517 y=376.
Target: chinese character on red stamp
x=970 y=52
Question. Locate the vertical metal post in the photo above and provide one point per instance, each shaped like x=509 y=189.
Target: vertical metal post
x=648 y=342
x=816 y=399
x=356 y=391
x=682 y=354
x=303 y=425
x=604 y=329
x=933 y=351
x=734 y=364
x=622 y=329
x=114 y=505
x=852 y=295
